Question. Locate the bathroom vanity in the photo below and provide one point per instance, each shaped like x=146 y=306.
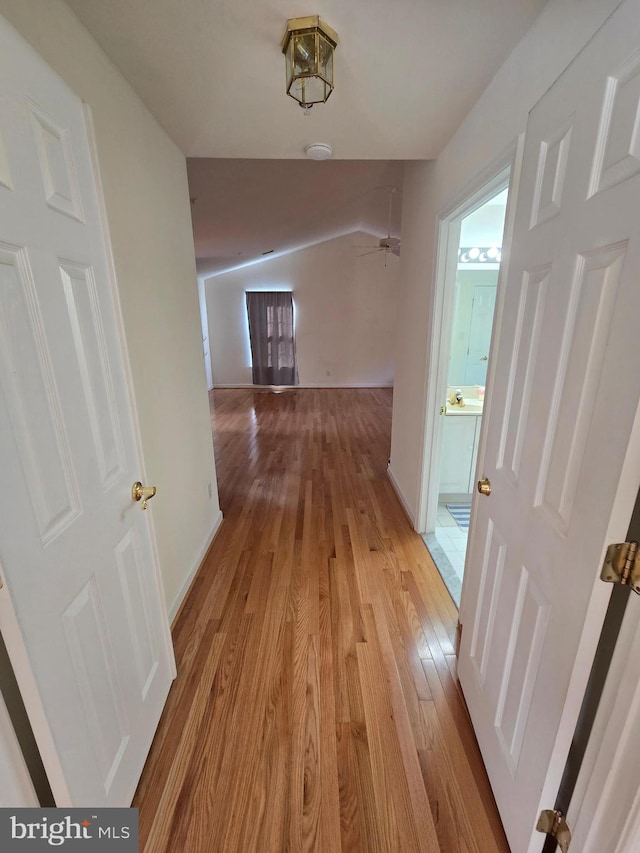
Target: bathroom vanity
x=461 y=436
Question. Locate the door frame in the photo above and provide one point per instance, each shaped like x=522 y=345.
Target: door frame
x=502 y=172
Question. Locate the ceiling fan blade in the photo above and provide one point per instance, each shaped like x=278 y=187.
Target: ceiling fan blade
x=372 y=252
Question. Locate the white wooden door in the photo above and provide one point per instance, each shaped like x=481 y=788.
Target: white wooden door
x=76 y=552
x=480 y=326
x=562 y=422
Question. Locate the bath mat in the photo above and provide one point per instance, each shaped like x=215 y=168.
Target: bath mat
x=461 y=514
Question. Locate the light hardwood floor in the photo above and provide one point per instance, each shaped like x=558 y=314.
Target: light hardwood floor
x=316 y=705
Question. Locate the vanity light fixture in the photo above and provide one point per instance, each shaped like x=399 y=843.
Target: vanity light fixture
x=480 y=255
x=308 y=46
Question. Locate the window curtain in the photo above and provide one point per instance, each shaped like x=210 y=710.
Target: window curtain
x=273 y=352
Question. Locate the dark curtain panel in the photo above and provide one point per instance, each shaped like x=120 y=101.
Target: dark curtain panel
x=273 y=352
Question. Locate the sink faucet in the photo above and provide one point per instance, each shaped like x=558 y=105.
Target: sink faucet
x=458 y=395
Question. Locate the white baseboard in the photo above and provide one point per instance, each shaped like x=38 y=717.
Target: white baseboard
x=401 y=498
x=309 y=385
x=184 y=589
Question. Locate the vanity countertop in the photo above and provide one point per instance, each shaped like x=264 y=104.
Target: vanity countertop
x=471 y=407
x=473 y=396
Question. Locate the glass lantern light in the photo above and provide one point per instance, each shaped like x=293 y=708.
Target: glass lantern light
x=308 y=46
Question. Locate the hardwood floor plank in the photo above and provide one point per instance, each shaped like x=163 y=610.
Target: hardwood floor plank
x=464 y=758
x=376 y=713
x=173 y=786
x=436 y=651
x=421 y=817
x=409 y=667
x=299 y=726
x=455 y=833
x=201 y=810
x=316 y=706
x=341 y=636
x=328 y=721
x=311 y=825
x=237 y=792
x=352 y=831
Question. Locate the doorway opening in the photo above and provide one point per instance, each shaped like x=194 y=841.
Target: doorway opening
x=474 y=236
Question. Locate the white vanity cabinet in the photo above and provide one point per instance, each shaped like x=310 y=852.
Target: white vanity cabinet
x=459 y=454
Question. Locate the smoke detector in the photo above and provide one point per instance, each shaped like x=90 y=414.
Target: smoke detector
x=319 y=151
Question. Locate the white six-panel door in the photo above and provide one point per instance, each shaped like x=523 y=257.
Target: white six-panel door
x=76 y=552
x=562 y=422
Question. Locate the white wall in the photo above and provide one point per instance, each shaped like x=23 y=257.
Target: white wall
x=345 y=313
x=145 y=184
x=500 y=115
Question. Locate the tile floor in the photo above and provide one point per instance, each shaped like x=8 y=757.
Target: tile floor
x=452 y=538
x=448 y=546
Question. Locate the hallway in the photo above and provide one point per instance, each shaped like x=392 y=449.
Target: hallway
x=316 y=705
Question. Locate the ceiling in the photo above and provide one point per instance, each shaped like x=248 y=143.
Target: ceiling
x=244 y=208
x=212 y=73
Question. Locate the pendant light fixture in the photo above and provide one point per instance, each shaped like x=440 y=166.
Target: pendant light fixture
x=308 y=46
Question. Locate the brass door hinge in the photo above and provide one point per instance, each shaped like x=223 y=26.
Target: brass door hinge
x=622 y=565
x=552 y=822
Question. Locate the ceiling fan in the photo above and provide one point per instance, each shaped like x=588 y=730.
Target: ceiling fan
x=385 y=244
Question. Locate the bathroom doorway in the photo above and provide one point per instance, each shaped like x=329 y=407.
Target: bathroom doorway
x=465 y=354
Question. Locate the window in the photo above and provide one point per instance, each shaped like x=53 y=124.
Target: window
x=273 y=352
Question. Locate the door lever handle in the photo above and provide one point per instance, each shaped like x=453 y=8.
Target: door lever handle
x=142 y=493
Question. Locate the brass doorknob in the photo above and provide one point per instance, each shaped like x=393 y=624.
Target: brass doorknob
x=142 y=493
x=484 y=486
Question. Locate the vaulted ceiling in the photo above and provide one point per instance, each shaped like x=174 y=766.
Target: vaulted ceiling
x=212 y=73
x=244 y=209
